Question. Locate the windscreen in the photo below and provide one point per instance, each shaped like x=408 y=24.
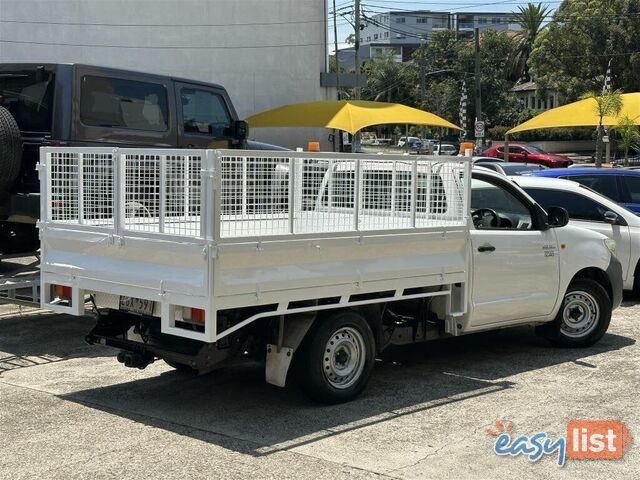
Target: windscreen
x=28 y=95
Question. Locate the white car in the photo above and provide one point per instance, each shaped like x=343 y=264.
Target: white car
x=403 y=140
x=445 y=149
x=589 y=209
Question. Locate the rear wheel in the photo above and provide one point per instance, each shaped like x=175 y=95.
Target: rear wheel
x=583 y=318
x=338 y=358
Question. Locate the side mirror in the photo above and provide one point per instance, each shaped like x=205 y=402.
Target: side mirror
x=239 y=130
x=557 y=217
x=611 y=218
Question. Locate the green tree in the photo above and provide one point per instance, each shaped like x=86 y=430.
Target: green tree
x=572 y=53
x=605 y=105
x=629 y=136
x=389 y=81
x=530 y=19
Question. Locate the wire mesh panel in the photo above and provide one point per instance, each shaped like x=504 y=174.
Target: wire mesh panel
x=142 y=192
x=162 y=193
x=97 y=189
x=63 y=184
x=182 y=182
x=302 y=194
x=254 y=197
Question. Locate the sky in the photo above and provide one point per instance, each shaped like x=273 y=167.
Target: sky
x=377 y=6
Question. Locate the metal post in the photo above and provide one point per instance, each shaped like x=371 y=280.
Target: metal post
x=477 y=73
x=406 y=137
x=356 y=196
x=335 y=49
x=292 y=175
x=357 y=47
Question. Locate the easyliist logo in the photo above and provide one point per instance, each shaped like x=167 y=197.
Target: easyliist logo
x=585 y=439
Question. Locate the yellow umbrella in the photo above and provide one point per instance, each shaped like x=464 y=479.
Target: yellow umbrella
x=581 y=114
x=349 y=116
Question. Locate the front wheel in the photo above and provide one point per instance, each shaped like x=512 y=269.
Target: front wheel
x=583 y=318
x=338 y=358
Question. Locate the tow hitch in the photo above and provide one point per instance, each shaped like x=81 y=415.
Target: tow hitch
x=135 y=360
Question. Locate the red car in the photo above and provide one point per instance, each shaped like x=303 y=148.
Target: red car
x=519 y=152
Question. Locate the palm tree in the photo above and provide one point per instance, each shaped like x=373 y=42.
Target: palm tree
x=530 y=19
x=629 y=135
x=607 y=105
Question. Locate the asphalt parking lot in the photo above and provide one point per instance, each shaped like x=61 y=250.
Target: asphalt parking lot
x=68 y=410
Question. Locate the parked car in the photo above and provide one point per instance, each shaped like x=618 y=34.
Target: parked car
x=512 y=168
x=403 y=140
x=445 y=149
x=81 y=105
x=520 y=152
x=478 y=160
x=621 y=185
x=589 y=209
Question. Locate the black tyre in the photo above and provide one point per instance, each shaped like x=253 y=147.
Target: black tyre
x=337 y=358
x=10 y=150
x=181 y=367
x=583 y=318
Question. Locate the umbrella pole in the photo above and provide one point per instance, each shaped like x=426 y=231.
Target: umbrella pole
x=406 y=137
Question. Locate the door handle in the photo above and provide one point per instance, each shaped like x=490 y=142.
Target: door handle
x=486 y=248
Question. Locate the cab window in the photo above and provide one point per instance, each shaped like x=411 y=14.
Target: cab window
x=498 y=207
x=204 y=112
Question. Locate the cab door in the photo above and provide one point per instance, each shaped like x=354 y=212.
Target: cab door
x=204 y=117
x=515 y=271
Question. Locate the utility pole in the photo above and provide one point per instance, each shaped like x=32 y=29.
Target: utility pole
x=477 y=71
x=357 y=46
x=335 y=48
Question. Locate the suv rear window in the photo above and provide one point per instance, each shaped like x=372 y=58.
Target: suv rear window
x=28 y=95
x=115 y=102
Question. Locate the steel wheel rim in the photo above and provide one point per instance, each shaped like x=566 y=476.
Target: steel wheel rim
x=344 y=358
x=580 y=314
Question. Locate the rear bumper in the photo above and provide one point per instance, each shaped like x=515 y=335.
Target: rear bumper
x=614 y=271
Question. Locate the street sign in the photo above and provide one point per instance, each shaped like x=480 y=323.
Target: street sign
x=479 y=129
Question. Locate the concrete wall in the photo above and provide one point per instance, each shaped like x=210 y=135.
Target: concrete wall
x=265 y=52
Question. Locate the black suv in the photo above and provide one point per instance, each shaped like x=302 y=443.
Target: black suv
x=81 y=105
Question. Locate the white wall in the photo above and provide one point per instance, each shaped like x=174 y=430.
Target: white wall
x=261 y=65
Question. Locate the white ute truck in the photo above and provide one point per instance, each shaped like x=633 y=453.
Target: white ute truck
x=317 y=261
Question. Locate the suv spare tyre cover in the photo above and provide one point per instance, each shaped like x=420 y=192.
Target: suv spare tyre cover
x=10 y=150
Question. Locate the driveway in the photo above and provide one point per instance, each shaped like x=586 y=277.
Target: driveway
x=69 y=410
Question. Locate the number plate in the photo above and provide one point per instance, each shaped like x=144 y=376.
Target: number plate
x=138 y=306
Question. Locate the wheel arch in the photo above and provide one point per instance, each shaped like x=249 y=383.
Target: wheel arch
x=598 y=275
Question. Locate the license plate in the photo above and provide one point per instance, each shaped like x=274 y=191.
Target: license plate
x=138 y=306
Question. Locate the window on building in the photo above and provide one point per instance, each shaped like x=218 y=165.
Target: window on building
x=114 y=102
x=422 y=20
x=369 y=38
x=483 y=20
x=401 y=20
x=386 y=34
x=551 y=102
x=496 y=20
x=375 y=36
x=204 y=112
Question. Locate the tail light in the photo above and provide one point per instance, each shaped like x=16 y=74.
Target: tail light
x=62 y=292
x=194 y=315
